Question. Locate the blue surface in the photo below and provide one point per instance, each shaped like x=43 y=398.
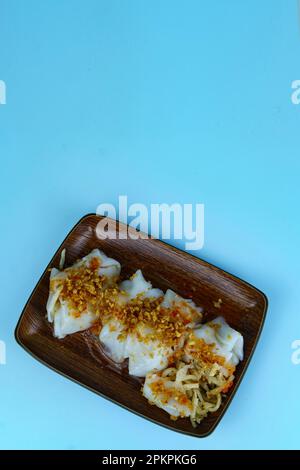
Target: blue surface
x=165 y=102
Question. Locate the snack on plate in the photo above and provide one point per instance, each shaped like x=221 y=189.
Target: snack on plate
x=188 y=366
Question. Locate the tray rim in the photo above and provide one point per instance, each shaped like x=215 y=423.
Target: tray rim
x=195 y=258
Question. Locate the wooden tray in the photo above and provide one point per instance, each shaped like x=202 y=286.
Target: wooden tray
x=79 y=356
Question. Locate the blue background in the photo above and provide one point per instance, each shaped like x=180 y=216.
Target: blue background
x=165 y=101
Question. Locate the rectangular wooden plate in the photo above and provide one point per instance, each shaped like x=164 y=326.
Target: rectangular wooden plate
x=79 y=357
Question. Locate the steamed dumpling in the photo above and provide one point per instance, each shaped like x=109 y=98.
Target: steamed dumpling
x=186 y=307
x=137 y=285
x=109 y=268
x=58 y=309
x=66 y=324
x=226 y=341
x=112 y=338
x=144 y=354
x=56 y=286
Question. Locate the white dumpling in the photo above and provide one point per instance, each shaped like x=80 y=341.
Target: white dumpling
x=153 y=293
x=115 y=346
x=227 y=342
x=65 y=323
x=229 y=338
x=54 y=292
x=109 y=268
x=137 y=285
x=145 y=354
x=167 y=401
x=58 y=311
x=186 y=307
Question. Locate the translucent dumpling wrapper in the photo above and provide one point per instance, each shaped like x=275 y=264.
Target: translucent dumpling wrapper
x=138 y=286
x=186 y=307
x=66 y=324
x=113 y=339
x=59 y=311
x=168 y=396
x=109 y=268
x=143 y=352
x=226 y=342
x=56 y=285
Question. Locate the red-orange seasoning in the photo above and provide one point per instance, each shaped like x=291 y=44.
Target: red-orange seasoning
x=227 y=387
x=203 y=352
